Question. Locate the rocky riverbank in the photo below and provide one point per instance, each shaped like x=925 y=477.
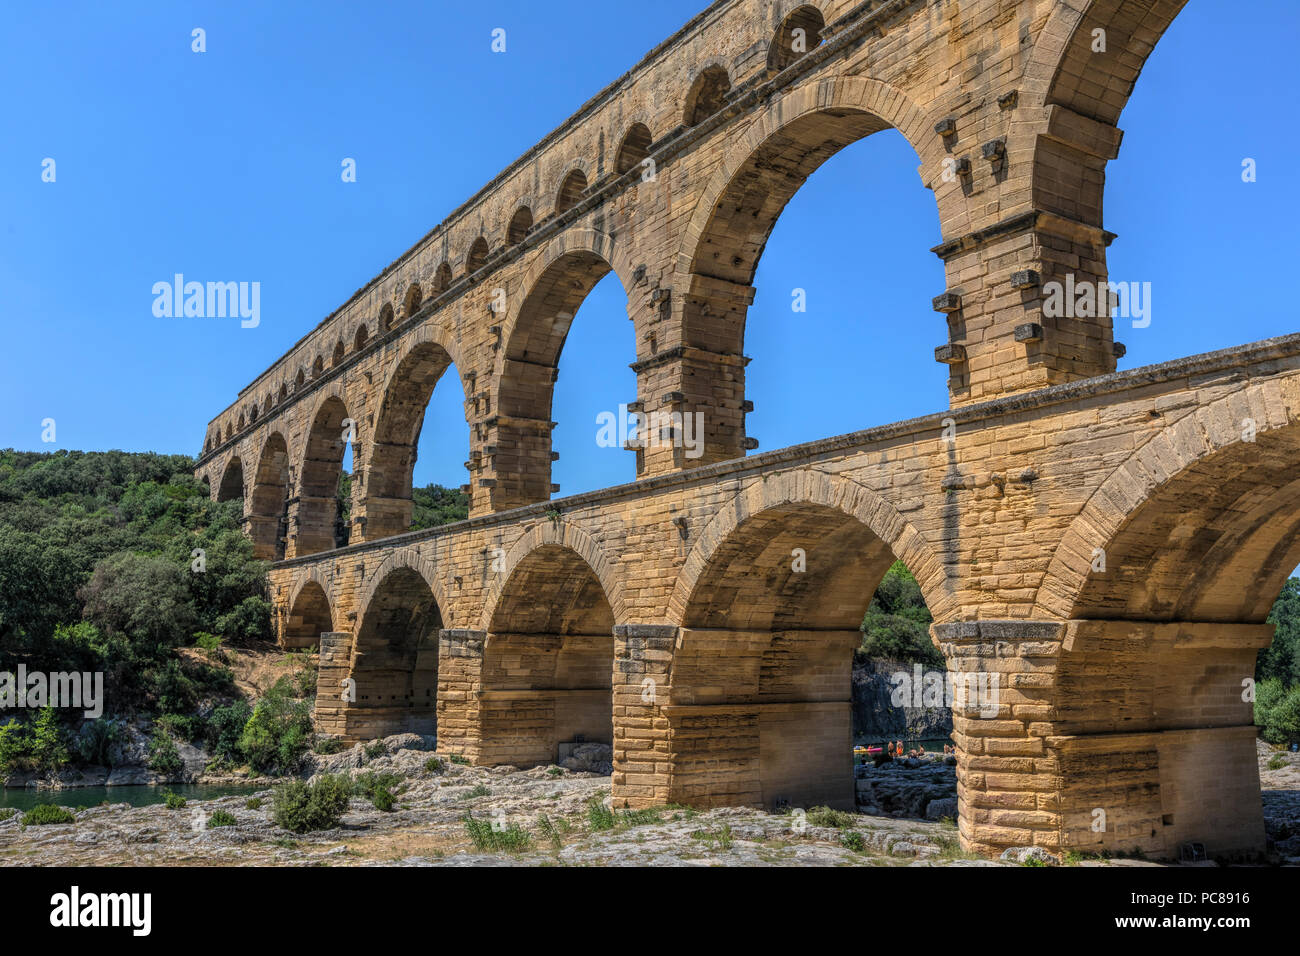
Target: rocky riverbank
x=553 y=805
x=905 y=820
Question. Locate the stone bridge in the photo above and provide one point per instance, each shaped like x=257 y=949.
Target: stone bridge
x=1099 y=549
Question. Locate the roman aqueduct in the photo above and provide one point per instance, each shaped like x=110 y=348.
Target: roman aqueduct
x=1107 y=543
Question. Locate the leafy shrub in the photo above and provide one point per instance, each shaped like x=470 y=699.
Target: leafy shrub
x=826 y=817
x=175 y=801
x=207 y=642
x=38 y=746
x=488 y=838
x=224 y=730
x=185 y=727
x=375 y=750
x=369 y=783
x=45 y=813
x=220 y=818
x=279 y=732
x=327 y=745
x=435 y=765
x=301 y=807
x=1276 y=762
x=457 y=758
x=1277 y=711
x=6 y=813
x=164 y=758
x=253 y=803
x=479 y=791
x=853 y=841
x=383 y=799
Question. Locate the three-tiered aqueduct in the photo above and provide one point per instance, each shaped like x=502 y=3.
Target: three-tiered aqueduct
x=1107 y=543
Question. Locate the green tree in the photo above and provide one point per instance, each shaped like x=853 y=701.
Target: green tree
x=897 y=622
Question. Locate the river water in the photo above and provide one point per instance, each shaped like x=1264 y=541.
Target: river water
x=138 y=796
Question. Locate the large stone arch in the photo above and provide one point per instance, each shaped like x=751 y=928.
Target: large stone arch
x=1065 y=69
x=770 y=604
x=546 y=681
x=1242 y=492
x=267 y=507
x=876 y=514
x=829 y=97
x=716 y=258
x=412 y=558
x=393 y=664
x=310 y=612
x=562 y=534
x=533 y=335
x=392 y=449
x=232 y=480
x=320 y=460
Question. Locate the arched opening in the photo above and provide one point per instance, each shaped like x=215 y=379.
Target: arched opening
x=1167 y=623
x=308 y=619
x=799 y=33
x=395 y=663
x=760 y=699
x=520 y=223
x=1145 y=198
x=478 y=253
x=232 y=481
x=414 y=297
x=339 y=350
x=532 y=349
x=230 y=432
x=318 y=367
x=442 y=280
x=594 y=383
x=252 y=414
x=359 y=340
x=707 y=95
x=571 y=190
x=268 y=511
x=324 y=487
x=385 y=318
x=810 y=326
x=299 y=380
x=399 y=429
x=634 y=148
x=548 y=663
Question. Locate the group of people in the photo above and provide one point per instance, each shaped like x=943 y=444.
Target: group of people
x=895 y=750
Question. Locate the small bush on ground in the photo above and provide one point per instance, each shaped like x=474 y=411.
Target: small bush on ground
x=826 y=817
x=301 y=807
x=45 y=813
x=220 y=818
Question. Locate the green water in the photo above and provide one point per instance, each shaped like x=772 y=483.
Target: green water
x=138 y=796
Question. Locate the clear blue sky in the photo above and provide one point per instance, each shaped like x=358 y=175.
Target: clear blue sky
x=225 y=165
